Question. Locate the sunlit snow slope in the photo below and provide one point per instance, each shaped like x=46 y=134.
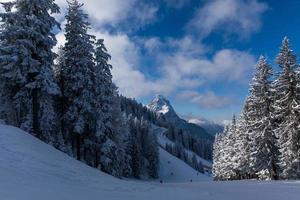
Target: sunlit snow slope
x=32 y=170
x=173 y=169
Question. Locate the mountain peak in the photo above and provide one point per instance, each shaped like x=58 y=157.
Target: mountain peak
x=160 y=105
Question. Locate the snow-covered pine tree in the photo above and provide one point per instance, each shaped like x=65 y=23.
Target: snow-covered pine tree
x=26 y=62
x=136 y=149
x=217 y=148
x=228 y=155
x=60 y=77
x=286 y=112
x=104 y=90
x=122 y=137
x=220 y=152
x=243 y=146
x=264 y=155
x=78 y=91
x=119 y=154
x=151 y=154
x=110 y=126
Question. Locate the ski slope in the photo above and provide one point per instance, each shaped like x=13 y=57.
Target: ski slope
x=32 y=170
x=173 y=170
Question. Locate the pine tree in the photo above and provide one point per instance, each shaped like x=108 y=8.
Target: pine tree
x=152 y=156
x=121 y=136
x=78 y=91
x=228 y=156
x=26 y=62
x=286 y=112
x=217 y=148
x=242 y=148
x=104 y=89
x=265 y=154
x=136 y=150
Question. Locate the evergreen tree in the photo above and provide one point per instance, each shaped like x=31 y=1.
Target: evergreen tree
x=228 y=156
x=136 y=150
x=26 y=60
x=104 y=89
x=78 y=91
x=152 y=155
x=286 y=112
x=264 y=157
x=217 y=156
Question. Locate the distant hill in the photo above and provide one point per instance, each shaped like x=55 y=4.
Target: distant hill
x=210 y=126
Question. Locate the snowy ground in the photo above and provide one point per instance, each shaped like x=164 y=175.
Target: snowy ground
x=32 y=170
x=174 y=170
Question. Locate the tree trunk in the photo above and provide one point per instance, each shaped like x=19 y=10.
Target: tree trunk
x=35 y=113
x=78 y=146
x=96 y=158
x=275 y=175
x=63 y=105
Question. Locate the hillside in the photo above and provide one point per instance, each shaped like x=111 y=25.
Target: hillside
x=163 y=141
x=30 y=169
x=174 y=170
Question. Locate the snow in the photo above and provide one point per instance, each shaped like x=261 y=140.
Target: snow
x=31 y=169
x=164 y=109
x=161 y=105
x=173 y=169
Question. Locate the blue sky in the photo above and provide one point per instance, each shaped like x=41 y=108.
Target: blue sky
x=200 y=54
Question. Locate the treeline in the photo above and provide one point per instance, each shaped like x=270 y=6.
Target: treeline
x=264 y=141
x=179 y=151
x=71 y=103
x=200 y=146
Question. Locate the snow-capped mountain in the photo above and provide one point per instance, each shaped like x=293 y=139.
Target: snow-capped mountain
x=163 y=107
x=210 y=126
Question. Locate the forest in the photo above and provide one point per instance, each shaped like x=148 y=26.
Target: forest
x=68 y=99
x=263 y=141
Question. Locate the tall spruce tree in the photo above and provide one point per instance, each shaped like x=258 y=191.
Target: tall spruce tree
x=78 y=91
x=264 y=157
x=243 y=146
x=26 y=61
x=286 y=112
x=104 y=90
x=228 y=155
x=108 y=111
x=217 y=148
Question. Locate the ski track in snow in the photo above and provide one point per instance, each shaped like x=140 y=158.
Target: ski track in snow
x=32 y=170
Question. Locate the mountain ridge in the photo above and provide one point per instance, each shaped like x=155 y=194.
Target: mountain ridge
x=162 y=106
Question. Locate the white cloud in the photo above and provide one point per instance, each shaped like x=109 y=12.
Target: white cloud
x=206 y=100
x=181 y=64
x=226 y=64
x=115 y=12
x=241 y=17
